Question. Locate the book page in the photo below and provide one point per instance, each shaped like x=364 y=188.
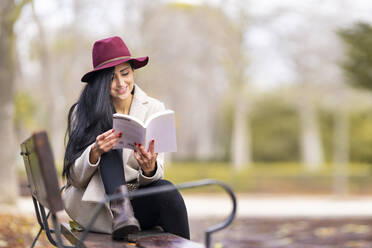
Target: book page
x=128 y=117
x=162 y=129
x=132 y=132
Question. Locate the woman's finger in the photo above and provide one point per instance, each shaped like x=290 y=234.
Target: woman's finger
x=143 y=152
x=143 y=156
x=136 y=151
x=112 y=136
x=108 y=142
x=138 y=157
x=105 y=134
x=107 y=146
x=152 y=147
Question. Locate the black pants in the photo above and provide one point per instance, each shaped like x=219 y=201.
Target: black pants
x=166 y=209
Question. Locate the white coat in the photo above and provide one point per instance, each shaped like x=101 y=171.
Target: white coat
x=82 y=197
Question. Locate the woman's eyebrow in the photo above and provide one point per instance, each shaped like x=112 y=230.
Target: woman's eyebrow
x=124 y=68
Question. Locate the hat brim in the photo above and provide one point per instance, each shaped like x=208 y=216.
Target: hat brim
x=136 y=63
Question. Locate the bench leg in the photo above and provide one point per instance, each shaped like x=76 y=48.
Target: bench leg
x=36 y=238
x=42 y=218
x=37 y=212
x=48 y=231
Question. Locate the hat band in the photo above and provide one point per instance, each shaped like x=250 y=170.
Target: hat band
x=111 y=60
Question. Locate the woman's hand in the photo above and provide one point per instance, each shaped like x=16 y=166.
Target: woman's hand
x=147 y=160
x=104 y=143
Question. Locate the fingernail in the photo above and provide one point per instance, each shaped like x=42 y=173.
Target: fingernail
x=135 y=143
x=120 y=135
x=113 y=130
x=153 y=141
x=140 y=145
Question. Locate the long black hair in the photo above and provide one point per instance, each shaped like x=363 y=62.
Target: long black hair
x=90 y=116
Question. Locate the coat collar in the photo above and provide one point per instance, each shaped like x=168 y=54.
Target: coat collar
x=138 y=107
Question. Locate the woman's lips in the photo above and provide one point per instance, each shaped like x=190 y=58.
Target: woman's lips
x=122 y=91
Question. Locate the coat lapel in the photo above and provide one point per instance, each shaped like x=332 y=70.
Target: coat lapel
x=95 y=191
x=138 y=109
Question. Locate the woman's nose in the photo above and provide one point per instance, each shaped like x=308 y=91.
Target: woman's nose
x=120 y=82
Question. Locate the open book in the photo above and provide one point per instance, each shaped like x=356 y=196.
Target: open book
x=159 y=127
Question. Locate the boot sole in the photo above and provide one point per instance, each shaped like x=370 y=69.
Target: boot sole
x=121 y=233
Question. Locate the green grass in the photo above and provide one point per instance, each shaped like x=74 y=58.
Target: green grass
x=285 y=178
x=268 y=178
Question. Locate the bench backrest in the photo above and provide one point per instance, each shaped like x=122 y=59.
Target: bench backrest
x=41 y=171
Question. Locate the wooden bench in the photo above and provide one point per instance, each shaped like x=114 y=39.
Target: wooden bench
x=45 y=191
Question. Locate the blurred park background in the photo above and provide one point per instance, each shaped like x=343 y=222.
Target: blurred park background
x=272 y=97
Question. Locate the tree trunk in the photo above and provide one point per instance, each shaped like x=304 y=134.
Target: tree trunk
x=52 y=94
x=241 y=139
x=204 y=143
x=311 y=145
x=9 y=149
x=340 y=152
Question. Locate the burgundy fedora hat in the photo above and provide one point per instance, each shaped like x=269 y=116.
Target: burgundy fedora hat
x=110 y=52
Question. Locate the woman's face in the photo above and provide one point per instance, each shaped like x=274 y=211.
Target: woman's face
x=122 y=82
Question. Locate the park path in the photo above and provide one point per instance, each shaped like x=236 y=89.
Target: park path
x=271 y=221
x=280 y=206
x=258 y=206
x=265 y=221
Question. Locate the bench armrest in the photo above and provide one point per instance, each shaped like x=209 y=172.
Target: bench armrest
x=164 y=188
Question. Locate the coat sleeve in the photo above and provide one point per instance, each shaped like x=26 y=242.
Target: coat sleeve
x=82 y=170
x=142 y=179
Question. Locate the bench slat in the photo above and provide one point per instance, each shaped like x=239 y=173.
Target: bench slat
x=41 y=171
x=93 y=240
x=144 y=239
x=167 y=240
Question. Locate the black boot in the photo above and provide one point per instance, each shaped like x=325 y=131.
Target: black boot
x=124 y=222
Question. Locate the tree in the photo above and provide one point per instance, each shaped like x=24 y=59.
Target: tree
x=358 y=64
x=60 y=57
x=314 y=65
x=358 y=71
x=187 y=65
x=10 y=11
x=236 y=65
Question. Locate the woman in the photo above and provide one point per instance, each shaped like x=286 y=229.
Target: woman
x=93 y=169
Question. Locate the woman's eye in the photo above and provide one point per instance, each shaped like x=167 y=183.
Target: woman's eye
x=125 y=74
